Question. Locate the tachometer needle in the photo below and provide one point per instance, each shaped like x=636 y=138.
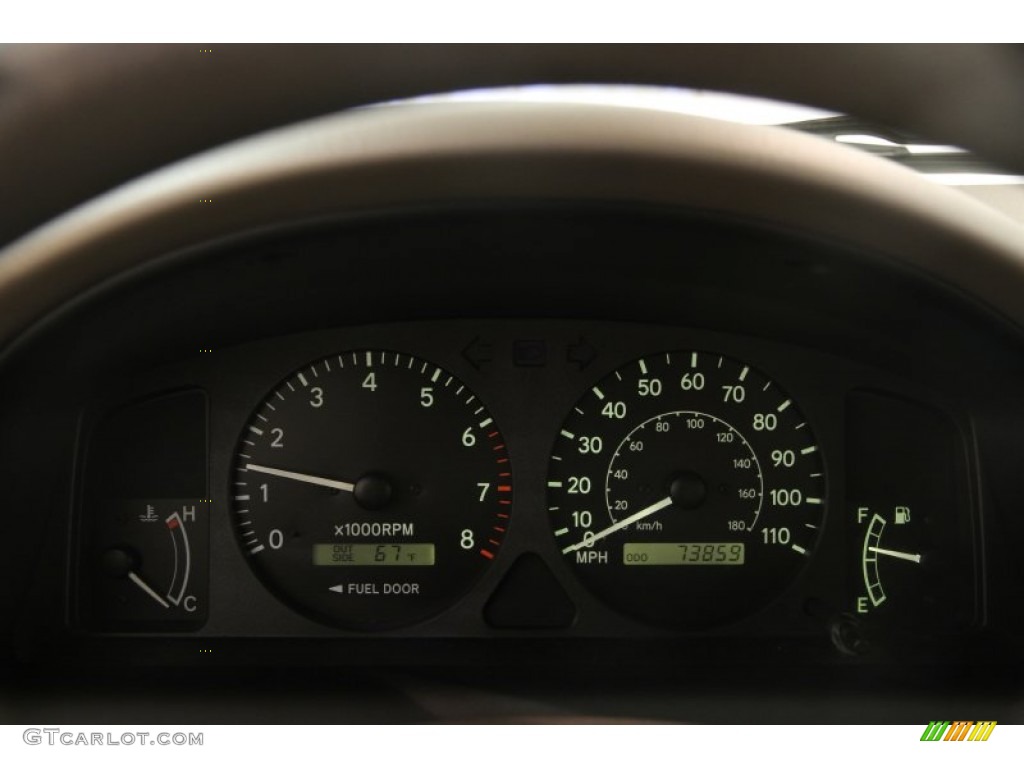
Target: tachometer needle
x=137 y=581
x=311 y=479
x=645 y=512
x=897 y=555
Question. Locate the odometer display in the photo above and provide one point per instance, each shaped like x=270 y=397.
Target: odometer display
x=686 y=459
x=661 y=553
x=372 y=489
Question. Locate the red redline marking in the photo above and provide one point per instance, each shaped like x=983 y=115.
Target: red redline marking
x=498 y=447
x=495 y=543
x=499 y=530
x=503 y=461
x=504 y=488
x=172 y=523
x=488 y=555
x=504 y=474
x=493 y=434
x=504 y=501
x=503 y=516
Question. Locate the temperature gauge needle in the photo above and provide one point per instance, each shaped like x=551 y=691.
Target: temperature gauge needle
x=302 y=478
x=135 y=579
x=897 y=555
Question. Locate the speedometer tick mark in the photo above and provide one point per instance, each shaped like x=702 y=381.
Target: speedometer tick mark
x=809 y=449
x=693 y=359
x=304 y=380
x=784 y=406
x=744 y=372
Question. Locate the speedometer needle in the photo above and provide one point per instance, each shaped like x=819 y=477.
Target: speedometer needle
x=645 y=512
x=311 y=479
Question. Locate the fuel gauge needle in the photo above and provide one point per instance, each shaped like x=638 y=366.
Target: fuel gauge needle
x=302 y=478
x=135 y=579
x=894 y=553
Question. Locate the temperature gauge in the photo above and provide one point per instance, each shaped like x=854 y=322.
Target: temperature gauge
x=147 y=564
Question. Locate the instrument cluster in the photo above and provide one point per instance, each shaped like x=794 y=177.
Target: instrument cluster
x=460 y=478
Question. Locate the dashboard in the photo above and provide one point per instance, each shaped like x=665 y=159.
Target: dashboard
x=604 y=414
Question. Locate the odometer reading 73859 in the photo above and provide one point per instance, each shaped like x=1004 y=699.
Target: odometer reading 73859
x=686 y=459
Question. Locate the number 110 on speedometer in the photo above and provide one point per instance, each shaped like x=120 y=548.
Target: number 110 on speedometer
x=686 y=489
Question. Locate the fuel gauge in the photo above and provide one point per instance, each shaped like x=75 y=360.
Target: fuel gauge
x=910 y=537
x=889 y=555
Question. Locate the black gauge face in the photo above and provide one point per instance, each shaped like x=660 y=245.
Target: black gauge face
x=686 y=489
x=372 y=489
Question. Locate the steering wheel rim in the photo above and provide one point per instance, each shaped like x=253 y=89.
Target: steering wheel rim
x=78 y=120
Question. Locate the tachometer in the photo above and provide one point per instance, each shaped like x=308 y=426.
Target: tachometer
x=686 y=489
x=372 y=489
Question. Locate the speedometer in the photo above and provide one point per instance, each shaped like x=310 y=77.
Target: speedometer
x=686 y=489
